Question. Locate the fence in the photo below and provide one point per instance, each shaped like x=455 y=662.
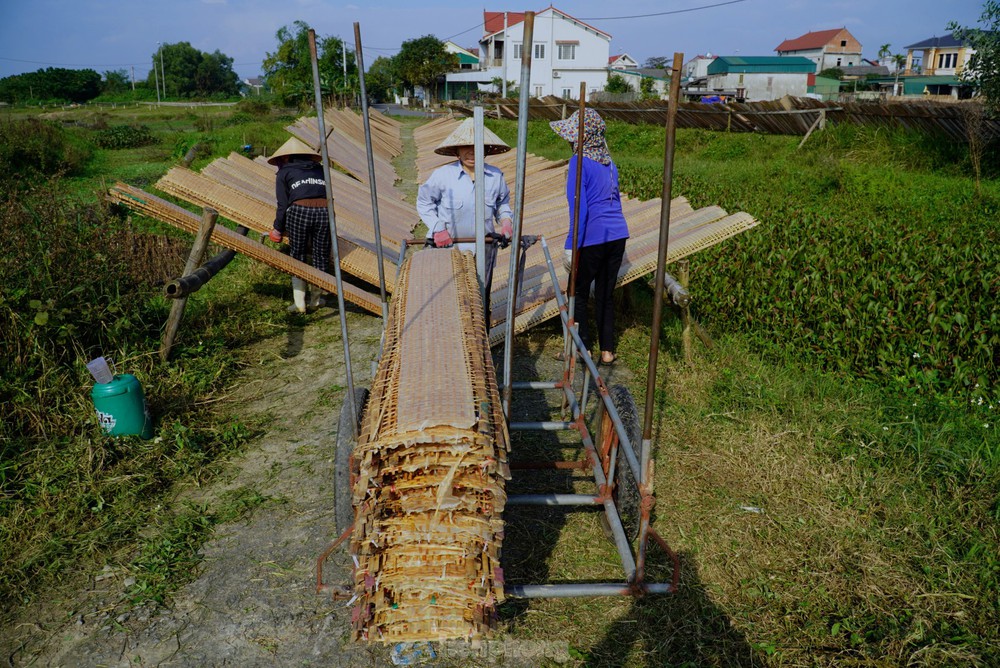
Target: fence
x=787 y=116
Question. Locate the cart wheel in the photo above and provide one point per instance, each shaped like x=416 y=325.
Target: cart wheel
x=343 y=467
x=626 y=493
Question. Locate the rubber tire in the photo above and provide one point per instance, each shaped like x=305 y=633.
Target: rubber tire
x=626 y=494
x=343 y=505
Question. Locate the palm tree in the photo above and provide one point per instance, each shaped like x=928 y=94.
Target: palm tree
x=899 y=60
x=883 y=51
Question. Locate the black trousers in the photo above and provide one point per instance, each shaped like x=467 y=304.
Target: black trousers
x=598 y=265
x=309 y=232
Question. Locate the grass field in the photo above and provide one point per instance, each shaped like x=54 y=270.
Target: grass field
x=828 y=471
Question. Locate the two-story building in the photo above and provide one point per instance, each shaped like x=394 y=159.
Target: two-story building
x=565 y=52
x=937 y=56
x=826 y=48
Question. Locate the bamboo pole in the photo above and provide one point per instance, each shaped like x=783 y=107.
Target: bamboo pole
x=208 y=218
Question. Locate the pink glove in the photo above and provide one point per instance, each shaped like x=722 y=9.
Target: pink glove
x=274 y=235
x=442 y=239
x=507 y=228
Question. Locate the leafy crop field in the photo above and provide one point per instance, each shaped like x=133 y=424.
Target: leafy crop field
x=828 y=471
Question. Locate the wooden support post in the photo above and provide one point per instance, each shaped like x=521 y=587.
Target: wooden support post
x=683 y=277
x=208 y=219
x=817 y=123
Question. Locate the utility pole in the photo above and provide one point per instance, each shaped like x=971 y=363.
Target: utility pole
x=133 y=78
x=163 y=77
x=343 y=57
x=156 y=75
x=506 y=46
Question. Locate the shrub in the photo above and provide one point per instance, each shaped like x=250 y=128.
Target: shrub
x=125 y=136
x=239 y=118
x=255 y=108
x=31 y=148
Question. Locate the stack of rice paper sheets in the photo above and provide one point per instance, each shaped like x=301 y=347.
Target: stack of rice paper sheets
x=432 y=461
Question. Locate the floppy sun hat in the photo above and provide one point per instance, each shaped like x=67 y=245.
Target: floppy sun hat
x=594 y=146
x=464 y=135
x=294 y=146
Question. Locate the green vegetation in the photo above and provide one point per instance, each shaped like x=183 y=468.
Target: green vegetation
x=288 y=71
x=82 y=280
x=876 y=256
x=124 y=136
x=617 y=84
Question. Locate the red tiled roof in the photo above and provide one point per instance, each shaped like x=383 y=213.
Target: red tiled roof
x=612 y=59
x=493 y=21
x=811 y=40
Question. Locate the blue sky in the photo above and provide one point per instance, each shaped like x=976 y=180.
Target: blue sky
x=119 y=34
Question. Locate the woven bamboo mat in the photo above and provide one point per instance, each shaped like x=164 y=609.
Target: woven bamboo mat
x=170 y=213
x=432 y=342
x=429 y=496
x=243 y=190
x=546 y=213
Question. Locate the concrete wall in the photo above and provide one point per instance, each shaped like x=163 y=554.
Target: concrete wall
x=763 y=86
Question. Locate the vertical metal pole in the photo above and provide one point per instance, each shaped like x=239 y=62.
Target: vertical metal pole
x=156 y=74
x=569 y=345
x=506 y=54
x=163 y=76
x=321 y=125
x=477 y=115
x=654 y=332
x=371 y=172
x=575 y=244
x=515 y=244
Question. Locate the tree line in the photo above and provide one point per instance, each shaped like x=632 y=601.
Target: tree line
x=179 y=71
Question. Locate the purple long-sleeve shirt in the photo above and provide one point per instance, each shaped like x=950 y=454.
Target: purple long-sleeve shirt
x=601 y=218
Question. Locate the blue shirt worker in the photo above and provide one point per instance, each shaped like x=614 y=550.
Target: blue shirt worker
x=301 y=214
x=603 y=230
x=446 y=202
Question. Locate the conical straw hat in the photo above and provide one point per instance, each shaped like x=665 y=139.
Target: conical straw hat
x=464 y=135
x=295 y=146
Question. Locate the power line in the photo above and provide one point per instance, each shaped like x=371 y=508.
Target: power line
x=38 y=62
x=674 y=11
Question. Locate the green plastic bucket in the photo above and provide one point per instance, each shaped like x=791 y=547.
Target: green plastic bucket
x=121 y=407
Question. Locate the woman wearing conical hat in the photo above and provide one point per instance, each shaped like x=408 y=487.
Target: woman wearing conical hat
x=603 y=229
x=301 y=214
x=446 y=202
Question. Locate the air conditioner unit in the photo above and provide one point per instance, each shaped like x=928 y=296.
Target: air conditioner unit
x=555 y=75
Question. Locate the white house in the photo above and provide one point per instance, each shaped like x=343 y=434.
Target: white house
x=566 y=52
x=697 y=67
x=622 y=61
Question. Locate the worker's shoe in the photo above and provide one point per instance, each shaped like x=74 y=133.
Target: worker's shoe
x=298 y=304
x=316 y=298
